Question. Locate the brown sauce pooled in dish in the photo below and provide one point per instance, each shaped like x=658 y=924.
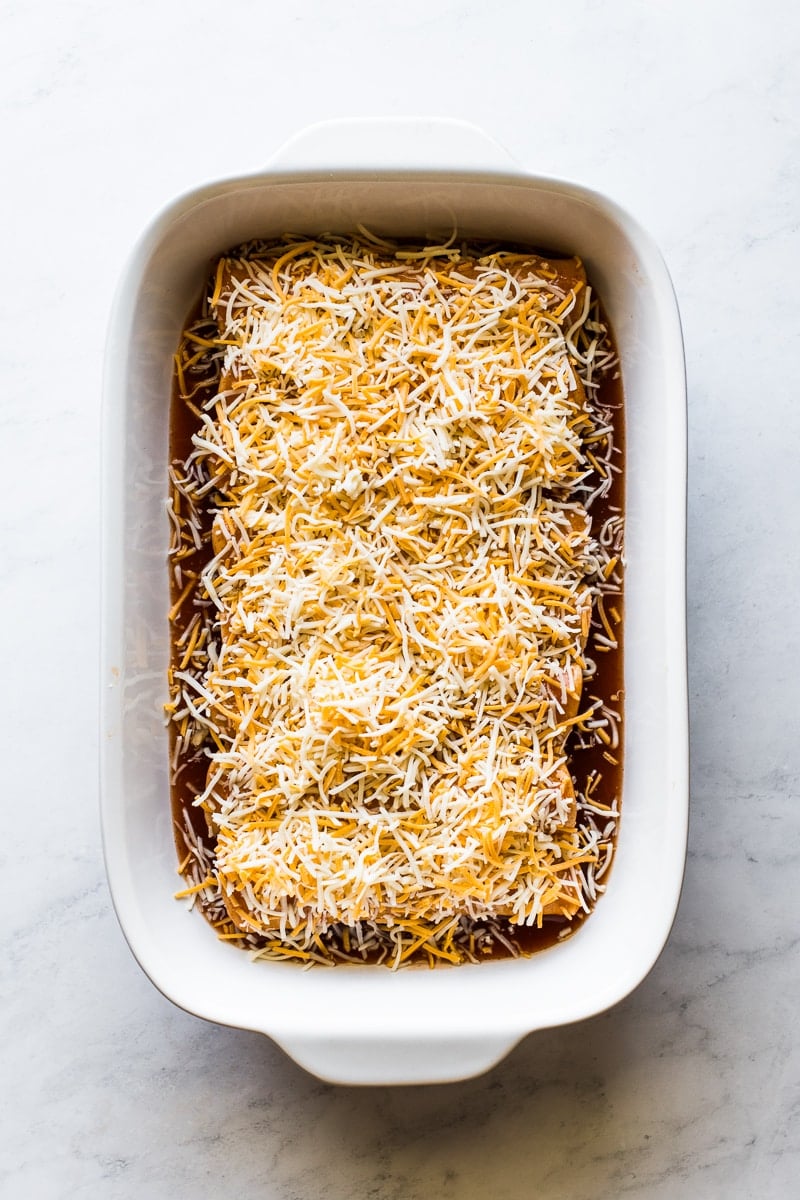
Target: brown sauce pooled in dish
x=594 y=754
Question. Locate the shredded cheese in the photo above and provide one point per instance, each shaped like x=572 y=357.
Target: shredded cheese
x=389 y=645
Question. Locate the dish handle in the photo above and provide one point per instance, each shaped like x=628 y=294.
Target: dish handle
x=393 y=143
x=392 y=1061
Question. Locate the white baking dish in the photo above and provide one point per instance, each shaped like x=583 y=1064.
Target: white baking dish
x=368 y=1024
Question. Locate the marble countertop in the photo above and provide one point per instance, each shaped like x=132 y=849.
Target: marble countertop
x=688 y=115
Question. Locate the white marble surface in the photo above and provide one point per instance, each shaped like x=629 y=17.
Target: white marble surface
x=689 y=115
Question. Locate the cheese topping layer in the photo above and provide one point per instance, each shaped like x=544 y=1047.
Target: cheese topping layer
x=387 y=648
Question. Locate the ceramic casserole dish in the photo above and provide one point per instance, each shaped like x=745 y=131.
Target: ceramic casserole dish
x=367 y=1024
